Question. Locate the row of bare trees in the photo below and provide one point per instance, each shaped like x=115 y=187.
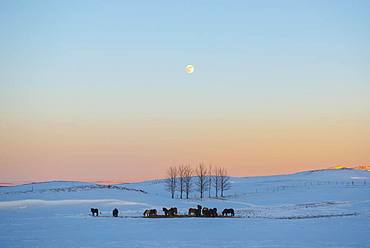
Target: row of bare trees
x=184 y=179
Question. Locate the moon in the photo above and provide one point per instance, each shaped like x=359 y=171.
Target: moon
x=189 y=69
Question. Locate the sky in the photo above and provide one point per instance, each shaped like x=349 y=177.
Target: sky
x=97 y=90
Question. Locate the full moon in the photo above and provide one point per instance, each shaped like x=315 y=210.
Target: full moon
x=189 y=69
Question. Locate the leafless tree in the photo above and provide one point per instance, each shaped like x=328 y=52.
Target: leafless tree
x=224 y=181
x=171 y=180
x=188 y=183
x=201 y=182
x=181 y=171
x=210 y=179
x=216 y=180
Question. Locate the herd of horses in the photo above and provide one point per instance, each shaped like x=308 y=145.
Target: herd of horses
x=197 y=212
x=172 y=212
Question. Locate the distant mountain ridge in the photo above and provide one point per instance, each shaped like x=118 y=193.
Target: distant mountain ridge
x=359 y=167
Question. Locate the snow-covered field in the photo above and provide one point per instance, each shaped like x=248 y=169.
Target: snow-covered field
x=328 y=208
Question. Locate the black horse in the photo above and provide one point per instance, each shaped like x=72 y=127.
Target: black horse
x=115 y=212
x=174 y=210
x=199 y=212
x=95 y=211
x=170 y=212
x=228 y=211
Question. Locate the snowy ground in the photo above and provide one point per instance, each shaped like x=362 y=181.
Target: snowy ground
x=309 y=209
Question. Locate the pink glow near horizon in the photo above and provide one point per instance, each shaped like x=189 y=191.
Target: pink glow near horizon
x=31 y=153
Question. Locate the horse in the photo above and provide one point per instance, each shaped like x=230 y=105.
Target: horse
x=213 y=212
x=228 y=211
x=174 y=210
x=115 y=212
x=170 y=212
x=166 y=211
x=205 y=211
x=209 y=212
x=196 y=211
x=94 y=211
x=193 y=211
x=199 y=213
x=150 y=212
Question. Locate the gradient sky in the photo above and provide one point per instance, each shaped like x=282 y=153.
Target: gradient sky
x=96 y=90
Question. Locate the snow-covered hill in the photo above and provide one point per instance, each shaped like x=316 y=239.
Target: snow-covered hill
x=308 y=209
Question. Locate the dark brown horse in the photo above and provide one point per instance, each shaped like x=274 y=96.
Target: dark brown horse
x=205 y=211
x=170 y=212
x=213 y=212
x=209 y=212
x=195 y=211
x=150 y=212
x=94 y=211
x=228 y=211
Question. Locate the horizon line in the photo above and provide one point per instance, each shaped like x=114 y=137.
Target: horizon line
x=116 y=182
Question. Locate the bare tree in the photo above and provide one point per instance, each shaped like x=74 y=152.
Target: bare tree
x=224 y=181
x=209 y=178
x=181 y=171
x=188 y=183
x=201 y=183
x=171 y=180
x=216 y=180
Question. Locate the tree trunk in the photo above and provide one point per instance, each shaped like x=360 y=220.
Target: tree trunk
x=209 y=186
x=181 y=187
